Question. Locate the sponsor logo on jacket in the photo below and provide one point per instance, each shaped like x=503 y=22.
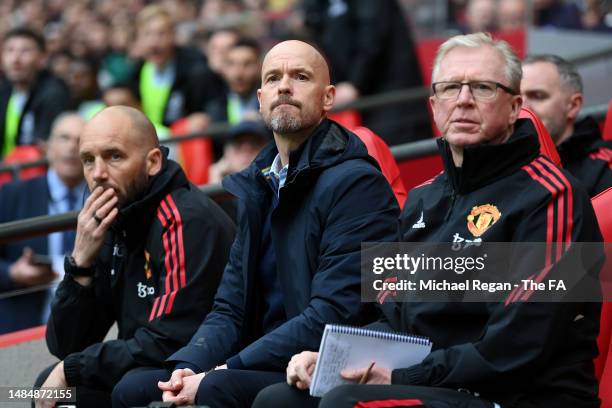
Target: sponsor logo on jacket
x=144 y=290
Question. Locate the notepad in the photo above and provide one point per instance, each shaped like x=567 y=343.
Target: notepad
x=354 y=347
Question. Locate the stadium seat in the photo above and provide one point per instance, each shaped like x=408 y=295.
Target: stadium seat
x=23 y=154
x=196 y=155
x=603 y=364
x=547 y=146
x=350 y=119
x=378 y=149
x=607 y=129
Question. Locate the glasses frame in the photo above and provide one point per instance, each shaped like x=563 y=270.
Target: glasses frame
x=469 y=84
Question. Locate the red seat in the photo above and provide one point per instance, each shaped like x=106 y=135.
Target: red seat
x=607 y=129
x=603 y=364
x=350 y=119
x=23 y=154
x=196 y=155
x=547 y=146
x=378 y=149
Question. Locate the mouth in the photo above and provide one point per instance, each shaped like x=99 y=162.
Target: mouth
x=464 y=121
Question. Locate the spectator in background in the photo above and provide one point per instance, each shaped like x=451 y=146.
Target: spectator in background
x=246 y=141
x=557 y=14
x=149 y=253
x=371 y=51
x=511 y=15
x=241 y=72
x=83 y=85
x=480 y=16
x=169 y=78
x=60 y=190
x=31 y=97
x=552 y=87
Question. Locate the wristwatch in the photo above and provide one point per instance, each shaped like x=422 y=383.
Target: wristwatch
x=71 y=268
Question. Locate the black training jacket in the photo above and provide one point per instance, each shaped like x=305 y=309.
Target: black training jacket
x=518 y=354
x=156 y=277
x=588 y=157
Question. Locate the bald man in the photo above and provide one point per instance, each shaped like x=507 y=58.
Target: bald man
x=305 y=205
x=149 y=253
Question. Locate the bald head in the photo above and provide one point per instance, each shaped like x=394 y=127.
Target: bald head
x=295 y=48
x=119 y=150
x=295 y=92
x=141 y=131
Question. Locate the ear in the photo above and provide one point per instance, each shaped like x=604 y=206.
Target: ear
x=329 y=97
x=432 y=104
x=259 y=99
x=574 y=106
x=154 y=161
x=515 y=108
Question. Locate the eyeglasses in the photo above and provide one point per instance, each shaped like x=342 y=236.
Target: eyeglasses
x=479 y=89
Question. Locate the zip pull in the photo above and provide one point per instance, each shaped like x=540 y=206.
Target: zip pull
x=452 y=204
x=115 y=253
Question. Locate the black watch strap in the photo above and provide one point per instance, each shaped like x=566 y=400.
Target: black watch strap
x=71 y=268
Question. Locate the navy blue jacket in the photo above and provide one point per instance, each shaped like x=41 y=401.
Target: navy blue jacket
x=334 y=199
x=18 y=200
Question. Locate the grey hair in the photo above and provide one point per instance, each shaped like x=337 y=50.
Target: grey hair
x=61 y=117
x=512 y=63
x=569 y=77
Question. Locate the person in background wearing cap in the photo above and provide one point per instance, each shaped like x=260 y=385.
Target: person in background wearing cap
x=246 y=141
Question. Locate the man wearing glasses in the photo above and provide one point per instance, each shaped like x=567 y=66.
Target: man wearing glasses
x=495 y=188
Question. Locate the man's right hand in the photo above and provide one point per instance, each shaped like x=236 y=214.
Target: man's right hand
x=95 y=219
x=174 y=385
x=300 y=369
x=25 y=273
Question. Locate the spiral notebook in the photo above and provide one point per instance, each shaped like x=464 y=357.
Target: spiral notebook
x=354 y=347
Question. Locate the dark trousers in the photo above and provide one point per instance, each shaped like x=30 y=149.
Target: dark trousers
x=85 y=397
x=218 y=389
x=366 y=396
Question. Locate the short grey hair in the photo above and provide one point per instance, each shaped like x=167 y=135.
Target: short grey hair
x=569 y=77
x=512 y=63
x=60 y=118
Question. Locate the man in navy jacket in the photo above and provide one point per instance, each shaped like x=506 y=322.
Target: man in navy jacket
x=295 y=264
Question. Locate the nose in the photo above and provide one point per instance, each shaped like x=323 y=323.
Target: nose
x=465 y=96
x=99 y=173
x=284 y=85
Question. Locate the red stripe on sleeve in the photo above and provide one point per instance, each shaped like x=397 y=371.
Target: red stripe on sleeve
x=167 y=249
x=173 y=245
x=152 y=315
x=569 y=196
x=181 y=248
x=390 y=403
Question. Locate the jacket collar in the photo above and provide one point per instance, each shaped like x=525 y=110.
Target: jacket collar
x=483 y=163
x=328 y=145
x=137 y=215
x=583 y=141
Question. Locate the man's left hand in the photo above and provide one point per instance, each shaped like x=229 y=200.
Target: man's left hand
x=378 y=375
x=57 y=379
x=187 y=394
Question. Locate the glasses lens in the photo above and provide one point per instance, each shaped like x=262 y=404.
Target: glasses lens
x=483 y=90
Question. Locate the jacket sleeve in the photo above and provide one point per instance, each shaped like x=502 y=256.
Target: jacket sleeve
x=360 y=209
x=521 y=337
x=218 y=336
x=199 y=246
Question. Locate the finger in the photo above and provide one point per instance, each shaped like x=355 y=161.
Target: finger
x=93 y=197
x=164 y=385
x=176 y=380
x=107 y=221
x=105 y=208
x=302 y=373
x=27 y=254
x=352 y=374
x=301 y=385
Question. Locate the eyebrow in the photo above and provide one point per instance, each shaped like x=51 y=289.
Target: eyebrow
x=294 y=69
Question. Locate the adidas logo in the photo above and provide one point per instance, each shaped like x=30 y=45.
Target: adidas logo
x=419 y=224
